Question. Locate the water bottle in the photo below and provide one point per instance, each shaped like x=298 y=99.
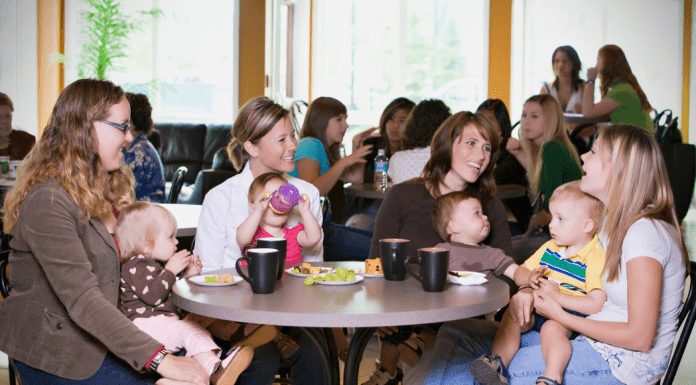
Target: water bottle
x=381 y=166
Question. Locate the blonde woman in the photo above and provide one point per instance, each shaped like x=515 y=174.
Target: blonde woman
x=61 y=324
x=630 y=340
x=622 y=97
x=550 y=160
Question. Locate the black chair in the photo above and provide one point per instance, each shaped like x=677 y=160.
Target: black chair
x=5 y=291
x=688 y=314
x=205 y=181
x=579 y=134
x=177 y=183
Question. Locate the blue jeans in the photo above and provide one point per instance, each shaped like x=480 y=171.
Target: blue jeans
x=461 y=342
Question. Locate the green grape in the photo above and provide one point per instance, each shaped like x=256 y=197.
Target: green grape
x=309 y=281
x=341 y=272
x=319 y=278
x=210 y=279
x=296 y=270
x=330 y=277
x=351 y=276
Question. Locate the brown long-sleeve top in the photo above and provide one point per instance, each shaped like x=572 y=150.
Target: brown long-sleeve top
x=146 y=288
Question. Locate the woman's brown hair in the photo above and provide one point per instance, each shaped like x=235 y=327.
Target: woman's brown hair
x=68 y=151
x=141 y=113
x=615 y=66
x=440 y=162
x=392 y=108
x=256 y=118
x=320 y=111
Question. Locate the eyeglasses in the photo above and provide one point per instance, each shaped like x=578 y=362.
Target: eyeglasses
x=123 y=127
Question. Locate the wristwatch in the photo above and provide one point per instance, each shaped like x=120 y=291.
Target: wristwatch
x=591 y=81
x=157 y=359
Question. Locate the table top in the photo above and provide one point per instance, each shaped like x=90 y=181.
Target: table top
x=509 y=191
x=373 y=302
x=365 y=190
x=579 y=119
x=186 y=217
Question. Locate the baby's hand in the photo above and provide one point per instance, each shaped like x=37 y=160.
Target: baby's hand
x=303 y=204
x=549 y=286
x=178 y=262
x=535 y=277
x=261 y=202
x=195 y=266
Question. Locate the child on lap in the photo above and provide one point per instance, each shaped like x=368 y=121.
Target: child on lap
x=146 y=236
x=573 y=262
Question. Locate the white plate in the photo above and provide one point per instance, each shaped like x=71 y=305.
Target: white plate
x=324 y=270
x=358 y=278
x=473 y=273
x=200 y=280
x=360 y=271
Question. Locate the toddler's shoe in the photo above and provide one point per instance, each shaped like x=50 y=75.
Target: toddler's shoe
x=256 y=335
x=231 y=367
x=380 y=377
x=489 y=369
x=411 y=350
x=286 y=346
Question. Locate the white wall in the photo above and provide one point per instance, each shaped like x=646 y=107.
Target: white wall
x=18 y=62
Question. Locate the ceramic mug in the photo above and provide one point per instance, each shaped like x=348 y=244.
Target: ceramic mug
x=280 y=244
x=262 y=265
x=393 y=252
x=434 y=264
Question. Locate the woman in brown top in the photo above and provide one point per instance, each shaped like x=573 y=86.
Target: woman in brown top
x=61 y=323
x=13 y=143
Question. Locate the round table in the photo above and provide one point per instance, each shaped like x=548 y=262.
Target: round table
x=366 y=305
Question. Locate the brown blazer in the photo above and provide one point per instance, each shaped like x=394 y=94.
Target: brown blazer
x=61 y=316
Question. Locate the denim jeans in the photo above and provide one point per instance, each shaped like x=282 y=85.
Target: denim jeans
x=461 y=342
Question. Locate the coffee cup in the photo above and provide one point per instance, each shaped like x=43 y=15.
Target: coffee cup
x=434 y=264
x=13 y=168
x=262 y=265
x=280 y=244
x=393 y=252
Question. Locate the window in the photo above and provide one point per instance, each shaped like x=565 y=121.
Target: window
x=653 y=45
x=367 y=53
x=185 y=61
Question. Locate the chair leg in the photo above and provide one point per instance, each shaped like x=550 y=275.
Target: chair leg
x=13 y=378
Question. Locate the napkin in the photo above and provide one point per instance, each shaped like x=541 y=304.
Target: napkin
x=467 y=278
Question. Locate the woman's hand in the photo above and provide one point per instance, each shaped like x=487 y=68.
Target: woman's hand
x=592 y=73
x=537 y=221
x=521 y=306
x=178 y=262
x=546 y=305
x=513 y=146
x=182 y=369
x=358 y=156
x=359 y=138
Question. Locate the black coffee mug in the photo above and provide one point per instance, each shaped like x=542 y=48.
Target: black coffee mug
x=280 y=244
x=262 y=265
x=434 y=264
x=393 y=253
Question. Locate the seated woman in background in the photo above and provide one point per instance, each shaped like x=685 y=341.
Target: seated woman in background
x=508 y=169
x=545 y=151
x=141 y=156
x=13 y=143
x=392 y=124
x=318 y=159
x=567 y=87
x=422 y=123
x=622 y=96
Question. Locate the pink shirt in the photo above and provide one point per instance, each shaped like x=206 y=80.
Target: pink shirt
x=293 y=255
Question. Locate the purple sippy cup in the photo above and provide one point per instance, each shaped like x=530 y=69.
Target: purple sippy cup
x=283 y=199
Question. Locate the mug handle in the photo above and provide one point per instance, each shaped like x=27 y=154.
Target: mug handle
x=246 y=247
x=407 y=262
x=238 y=265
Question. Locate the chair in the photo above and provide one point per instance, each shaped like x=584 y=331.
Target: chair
x=579 y=133
x=5 y=291
x=688 y=314
x=177 y=183
x=205 y=181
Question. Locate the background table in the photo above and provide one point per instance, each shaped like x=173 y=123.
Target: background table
x=186 y=218
x=365 y=190
x=367 y=305
x=579 y=119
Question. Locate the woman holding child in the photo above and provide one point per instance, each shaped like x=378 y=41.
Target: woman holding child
x=462 y=151
x=61 y=324
x=262 y=137
x=629 y=341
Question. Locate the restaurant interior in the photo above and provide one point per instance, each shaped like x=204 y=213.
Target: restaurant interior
x=200 y=61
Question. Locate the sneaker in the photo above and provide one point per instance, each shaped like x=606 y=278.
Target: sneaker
x=286 y=346
x=231 y=367
x=256 y=335
x=380 y=377
x=411 y=350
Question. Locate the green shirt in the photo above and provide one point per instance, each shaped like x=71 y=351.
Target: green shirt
x=558 y=166
x=630 y=110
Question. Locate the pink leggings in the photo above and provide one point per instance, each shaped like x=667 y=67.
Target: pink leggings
x=177 y=334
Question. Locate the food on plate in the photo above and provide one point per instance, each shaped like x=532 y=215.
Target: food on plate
x=220 y=278
x=307 y=268
x=460 y=274
x=342 y=274
x=373 y=266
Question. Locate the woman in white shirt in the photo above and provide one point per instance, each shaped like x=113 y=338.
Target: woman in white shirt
x=567 y=87
x=630 y=340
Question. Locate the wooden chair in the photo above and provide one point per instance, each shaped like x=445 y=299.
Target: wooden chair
x=5 y=291
x=177 y=183
x=687 y=314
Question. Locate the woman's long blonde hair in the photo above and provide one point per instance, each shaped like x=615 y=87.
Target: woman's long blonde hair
x=638 y=188
x=555 y=130
x=68 y=151
x=615 y=66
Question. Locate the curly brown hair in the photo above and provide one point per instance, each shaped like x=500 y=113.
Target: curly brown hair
x=422 y=123
x=68 y=152
x=141 y=113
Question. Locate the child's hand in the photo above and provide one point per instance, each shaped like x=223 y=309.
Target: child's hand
x=548 y=286
x=179 y=261
x=261 y=202
x=303 y=204
x=195 y=267
x=535 y=276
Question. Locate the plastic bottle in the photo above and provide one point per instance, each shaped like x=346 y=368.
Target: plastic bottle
x=381 y=166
